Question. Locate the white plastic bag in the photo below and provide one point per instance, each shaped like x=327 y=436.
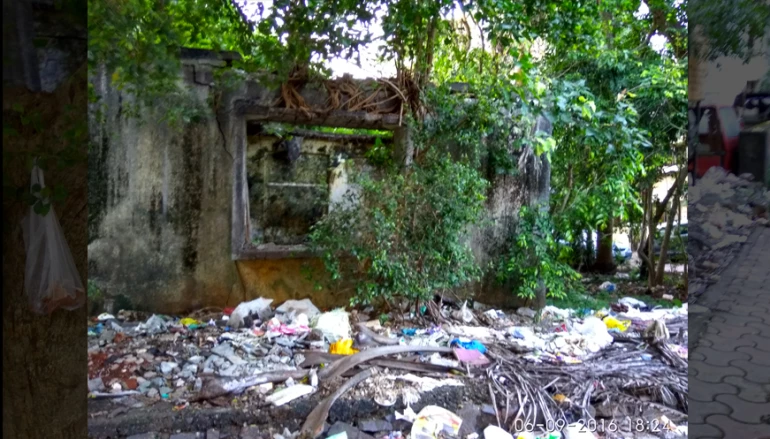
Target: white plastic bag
x=51 y=278
x=335 y=325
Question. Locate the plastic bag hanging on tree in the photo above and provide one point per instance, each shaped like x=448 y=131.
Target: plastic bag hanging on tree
x=51 y=278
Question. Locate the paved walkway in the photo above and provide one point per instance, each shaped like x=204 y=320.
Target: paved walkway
x=729 y=383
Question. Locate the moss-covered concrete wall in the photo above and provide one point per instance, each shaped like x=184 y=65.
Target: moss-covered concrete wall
x=159 y=206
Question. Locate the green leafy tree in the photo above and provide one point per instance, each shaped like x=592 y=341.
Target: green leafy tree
x=735 y=29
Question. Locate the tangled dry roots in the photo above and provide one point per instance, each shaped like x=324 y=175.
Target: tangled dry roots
x=381 y=96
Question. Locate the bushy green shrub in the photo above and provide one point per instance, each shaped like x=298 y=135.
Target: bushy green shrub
x=403 y=234
x=534 y=257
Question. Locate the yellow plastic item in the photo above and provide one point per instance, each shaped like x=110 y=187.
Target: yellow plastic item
x=559 y=398
x=613 y=323
x=343 y=347
x=188 y=321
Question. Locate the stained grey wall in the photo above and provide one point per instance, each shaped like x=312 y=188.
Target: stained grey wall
x=159 y=202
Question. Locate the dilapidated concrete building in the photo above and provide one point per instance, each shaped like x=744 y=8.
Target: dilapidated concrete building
x=217 y=212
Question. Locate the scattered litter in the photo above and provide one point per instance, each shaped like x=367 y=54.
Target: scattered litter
x=596 y=334
x=438 y=360
x=121 y=394
x=342 y=347
x=155 y=325
x=494 y=432
x=633 y=303
x=577 y=431
x=226 y=351
x=335 y=325
x=167 y=367
x=427 y=384
x=562 y=314
x=104 y=317
x=526 y=312
x=256 y=307
x=277 y=354
x=433 y=421
x=608 y=286
x=463 y=314
x=525 y=340
x=289 y=394
x=469 y=344
x=409 y=415
x=471 y=356
x=480 y=333
x=304 y=306
x=189 y=322
x=613 y=323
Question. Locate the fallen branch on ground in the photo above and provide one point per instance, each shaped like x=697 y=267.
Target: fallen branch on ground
x=313 y=426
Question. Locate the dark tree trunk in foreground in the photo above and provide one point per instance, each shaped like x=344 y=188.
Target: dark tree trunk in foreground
x=605 y=259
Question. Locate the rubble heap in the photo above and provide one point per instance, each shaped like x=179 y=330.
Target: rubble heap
x=554 y=373
x=723 y=210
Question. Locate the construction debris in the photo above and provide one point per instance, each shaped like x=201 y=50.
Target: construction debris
x=723 y=210
x=625 y=361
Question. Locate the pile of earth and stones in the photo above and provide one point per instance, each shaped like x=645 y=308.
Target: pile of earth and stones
x=723 y=210
x=447 y=370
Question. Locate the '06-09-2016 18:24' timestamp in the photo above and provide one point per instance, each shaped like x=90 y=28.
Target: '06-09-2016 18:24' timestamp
x=639 y=425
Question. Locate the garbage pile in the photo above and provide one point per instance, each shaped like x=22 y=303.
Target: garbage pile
x=724 y=208
x=560 y=372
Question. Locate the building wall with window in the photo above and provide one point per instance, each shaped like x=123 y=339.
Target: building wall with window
x=160 y=207
x=217 y=211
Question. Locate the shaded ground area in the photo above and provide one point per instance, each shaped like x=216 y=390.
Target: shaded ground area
x=115 y=420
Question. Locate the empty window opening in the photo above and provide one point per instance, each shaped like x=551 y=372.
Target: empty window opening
x=294 y=174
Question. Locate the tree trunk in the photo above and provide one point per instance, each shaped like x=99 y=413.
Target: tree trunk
x=605 y=258
x=684 y=246
x=588 y=249
x=541 y=200
x=44 y=357
x=671 y=214
x=661 y=269
x=650 y=251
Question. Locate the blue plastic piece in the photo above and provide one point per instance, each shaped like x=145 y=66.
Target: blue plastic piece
x=473 y=345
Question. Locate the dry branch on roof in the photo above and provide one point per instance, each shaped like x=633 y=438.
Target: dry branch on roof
x=380 y=96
